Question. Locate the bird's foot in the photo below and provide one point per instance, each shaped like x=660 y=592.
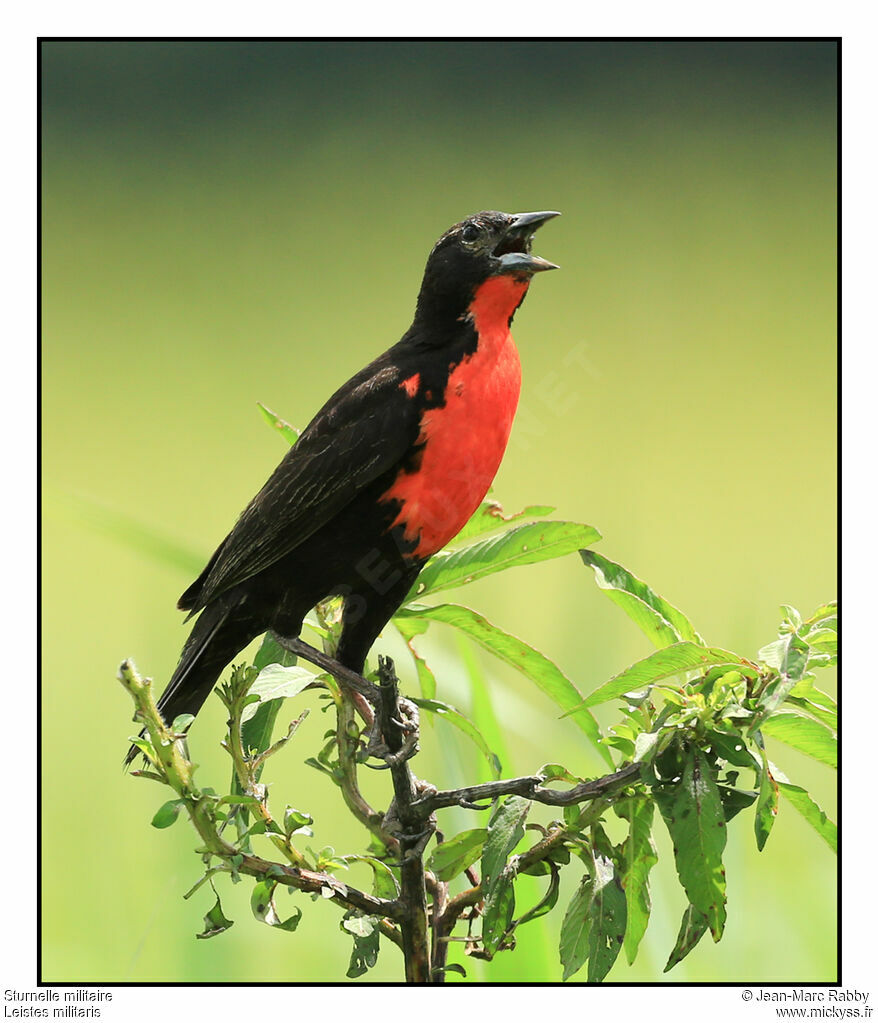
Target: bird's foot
x=377 y=746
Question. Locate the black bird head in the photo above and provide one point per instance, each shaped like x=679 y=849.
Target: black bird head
x=487 y=244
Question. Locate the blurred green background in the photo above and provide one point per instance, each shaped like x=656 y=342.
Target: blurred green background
x=233 y=222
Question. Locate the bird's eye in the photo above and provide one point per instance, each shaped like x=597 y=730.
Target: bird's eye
x=470 y=233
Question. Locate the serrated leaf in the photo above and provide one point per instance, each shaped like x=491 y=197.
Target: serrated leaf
x=663 y=623
x=452 y=857
x=692 y=930
x=167 y=813
x=637 y=857
x=530 y=662
x=289 y=433
x=523 y=545
x=215 y=922
x=694 y=815
x=670 y=662
x=490 y=517
x=766 y=805
x=804 y=734
x=594 y=924
x=454 y=717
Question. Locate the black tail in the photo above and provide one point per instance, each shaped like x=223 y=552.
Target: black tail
x=220 y=633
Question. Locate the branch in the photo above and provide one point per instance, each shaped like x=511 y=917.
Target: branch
x=529 y=786
x=413 y=835
x=175 y=770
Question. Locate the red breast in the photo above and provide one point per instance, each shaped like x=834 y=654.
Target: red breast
x=464 y=439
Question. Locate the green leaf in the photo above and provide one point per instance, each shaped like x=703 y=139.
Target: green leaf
x=257 y=729
x=181 y=722
x=289 y=433
x=547 y=902
x=262 y=904
x=789 y=655
x=694 y=815
x=659 y=620
x=297 y=821
x=497 y=913
x=215 y=922
x=766 y=805
x=454 y=717
x=806 y=806
x=482 y=708
x=490 y=517
x=735 y=800
x=637 y=858
x=167 y=813
x=594 y=924
x=804 y=734
x=505 y=831
x=384 y=884
x=692 y=930
x=530 y=662
x=364 y=955
x=451 y=858
x=277 y=682
x=672 y=661
x=827 y=715
x=732 y=747
x=523 y=545
x=408 y=629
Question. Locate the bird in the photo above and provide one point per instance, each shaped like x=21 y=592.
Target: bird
x=384 y=476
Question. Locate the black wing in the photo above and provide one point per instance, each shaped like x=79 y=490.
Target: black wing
x=364 y=429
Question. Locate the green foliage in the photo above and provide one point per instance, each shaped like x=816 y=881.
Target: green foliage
x=692 y=730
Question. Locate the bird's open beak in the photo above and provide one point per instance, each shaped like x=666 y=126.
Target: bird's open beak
x=513 y=249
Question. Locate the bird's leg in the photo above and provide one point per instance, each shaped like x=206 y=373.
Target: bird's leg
x=363 y=692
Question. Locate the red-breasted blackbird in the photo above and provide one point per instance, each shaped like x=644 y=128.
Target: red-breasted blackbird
x=385 y=475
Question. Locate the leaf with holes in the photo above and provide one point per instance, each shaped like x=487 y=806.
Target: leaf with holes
x=490 y=517
x=594 y=924
x=695 y=818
